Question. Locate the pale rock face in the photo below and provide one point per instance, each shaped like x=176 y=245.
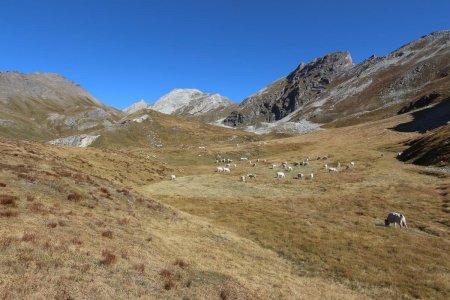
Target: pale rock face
x=136 y=107
x=141 y=119
x=81 y=141
x=189 y=102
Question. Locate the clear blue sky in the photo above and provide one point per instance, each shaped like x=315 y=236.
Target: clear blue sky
x=125 y=50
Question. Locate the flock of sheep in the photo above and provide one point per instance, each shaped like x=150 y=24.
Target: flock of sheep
x=284 y=165
x=392 y=218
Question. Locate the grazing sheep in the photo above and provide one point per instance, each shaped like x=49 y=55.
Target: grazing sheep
x=217 y=161
x=318 y=157
x=300 y=175
x=274 y=166
x=280 y=175
x=219 y=169
x=173 y=177
x=289 y=169
x=311 y=176
x=243 y=178
x=244 y=158
x=257 y=160
x=253 y=165
x=226 y=170
x=227 y=165
x=251 y=175
x=396 y=218
x=234 y=166
x=332 y=170
x=326 y=166
x=325 y=157
x=296 y=163
x=352 y=164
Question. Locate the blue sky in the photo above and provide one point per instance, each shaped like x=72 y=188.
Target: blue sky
x=125 y=50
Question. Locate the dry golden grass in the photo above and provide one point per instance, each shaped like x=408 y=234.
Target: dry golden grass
x=331 y=227
x=52 y=246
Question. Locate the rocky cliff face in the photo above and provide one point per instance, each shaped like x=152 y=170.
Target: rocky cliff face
x=331 y=89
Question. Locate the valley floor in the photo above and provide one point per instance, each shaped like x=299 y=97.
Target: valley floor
x=100 y=224
x=333 y=226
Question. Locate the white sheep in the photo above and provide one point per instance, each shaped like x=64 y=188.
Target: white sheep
x=311 y=176
x=244 y=158
x=226 y=170
x=280 y=175
x=300 y=175
x=274 y=166
x=396 y=218
x=332 y=170
x=243 y=178
x=173 y=177
x=219 y=169
x=289 y=169
x=251 y=175
x=352 y=163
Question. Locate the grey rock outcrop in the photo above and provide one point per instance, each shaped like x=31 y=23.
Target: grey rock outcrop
x=82 y=140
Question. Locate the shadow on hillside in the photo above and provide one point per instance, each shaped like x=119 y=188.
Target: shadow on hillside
x=427 y=119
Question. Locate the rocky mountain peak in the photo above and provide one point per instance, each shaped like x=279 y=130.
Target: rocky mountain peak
x=189 y=102
x=135 y=107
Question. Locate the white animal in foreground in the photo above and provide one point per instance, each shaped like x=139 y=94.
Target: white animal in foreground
x=219 y=169
x=173 y=177
x=243 y=178
x=226 y=170
x=280 y=175
x=300 y=175
x=396 y=218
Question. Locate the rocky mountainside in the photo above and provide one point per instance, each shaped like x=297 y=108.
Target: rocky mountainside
x=43 y=106
x=332 y=90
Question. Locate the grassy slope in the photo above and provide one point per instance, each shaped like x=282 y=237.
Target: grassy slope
x=331 y=227
x=112 y=242
x=30 y=117
x=169 y=131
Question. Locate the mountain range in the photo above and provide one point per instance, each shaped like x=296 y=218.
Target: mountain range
x=330 y=91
